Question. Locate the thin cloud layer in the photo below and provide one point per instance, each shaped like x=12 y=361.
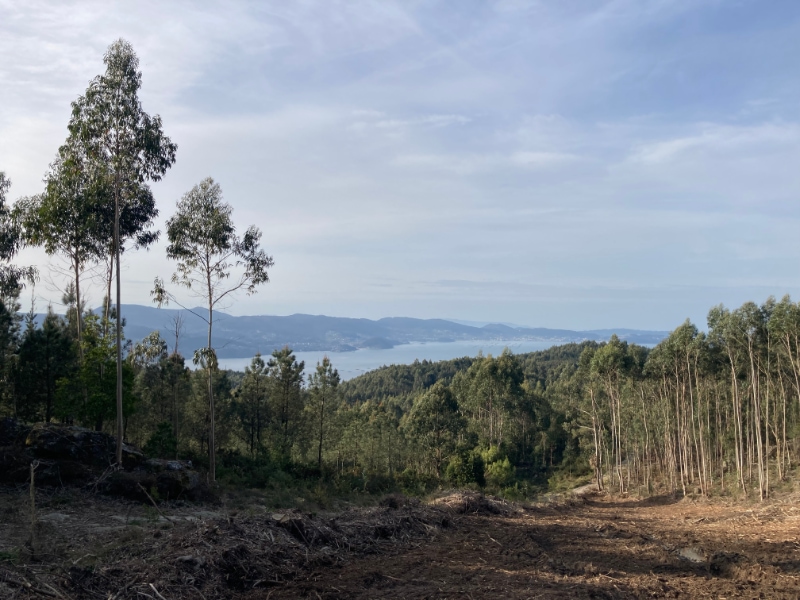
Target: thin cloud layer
x=575 y=164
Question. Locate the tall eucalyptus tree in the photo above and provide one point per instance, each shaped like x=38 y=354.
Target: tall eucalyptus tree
x=213 y=264
x=132 y=147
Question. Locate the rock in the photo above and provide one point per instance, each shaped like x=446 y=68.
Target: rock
x=78 y=456
x=69 y=442
x=692 y=555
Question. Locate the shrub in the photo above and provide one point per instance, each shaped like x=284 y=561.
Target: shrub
x=500 y=473
x=465 y=467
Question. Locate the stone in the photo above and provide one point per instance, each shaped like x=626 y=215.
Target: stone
x=69 y=442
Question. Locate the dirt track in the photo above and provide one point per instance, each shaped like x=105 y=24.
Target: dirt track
x=462 y=546
x=659 y=548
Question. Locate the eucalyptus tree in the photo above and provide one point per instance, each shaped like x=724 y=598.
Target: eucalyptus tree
x=784 y=328
x=132 y=148
x=213 y=264
x=611 y=364
x=491 y=393
x=12 y=278
x=65 y=219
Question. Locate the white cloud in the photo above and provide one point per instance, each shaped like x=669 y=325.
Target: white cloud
x=713 y=139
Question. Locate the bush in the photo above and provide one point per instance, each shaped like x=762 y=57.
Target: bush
x=414 y=483
x=378 y=483
x=465 y=467
x=516 y=491
x=500 y=473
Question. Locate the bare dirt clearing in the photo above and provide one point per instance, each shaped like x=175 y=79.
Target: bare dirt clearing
x=461 y=546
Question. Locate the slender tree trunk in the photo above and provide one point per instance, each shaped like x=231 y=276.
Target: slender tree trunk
x=120 y=425
x=321 y=425
x=107 y=304
x=212 y=458
x=78 y=315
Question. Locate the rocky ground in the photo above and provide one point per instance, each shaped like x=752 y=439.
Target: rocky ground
x=459 y=546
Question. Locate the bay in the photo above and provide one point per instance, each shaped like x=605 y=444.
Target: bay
x=353 y=364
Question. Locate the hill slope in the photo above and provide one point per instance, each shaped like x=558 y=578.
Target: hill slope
x=243 y=337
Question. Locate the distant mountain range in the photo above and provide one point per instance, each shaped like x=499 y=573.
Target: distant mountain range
x=243 y=337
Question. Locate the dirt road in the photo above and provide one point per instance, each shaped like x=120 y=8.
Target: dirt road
x=658 y=548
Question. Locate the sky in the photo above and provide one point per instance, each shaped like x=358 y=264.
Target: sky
x=578 y=164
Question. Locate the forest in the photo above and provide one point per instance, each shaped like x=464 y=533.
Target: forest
x=700 y=413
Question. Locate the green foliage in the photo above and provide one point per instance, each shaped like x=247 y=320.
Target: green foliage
x=435 y=423
x=45 y=356
x=124 y=147
x=163 y=443
x=466 y=467
x=203 y=241
x=323 y=400
x=415 y=483
x=286 y=382
x=89 y=395
x=11 y=556
x=401 y=380
x=499 y=473
x=12 y=277
x=251 y=407
x=10 y=319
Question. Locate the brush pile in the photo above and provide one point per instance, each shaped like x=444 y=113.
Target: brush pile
x=179 y=553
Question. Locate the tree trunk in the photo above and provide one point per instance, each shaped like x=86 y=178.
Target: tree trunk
x=120 y=430
x=212 y=459
x=321 y=426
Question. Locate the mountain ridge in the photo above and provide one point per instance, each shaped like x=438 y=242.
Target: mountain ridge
x=244 y=336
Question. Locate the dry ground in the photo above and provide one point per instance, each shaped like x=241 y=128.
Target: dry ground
x=461 y=546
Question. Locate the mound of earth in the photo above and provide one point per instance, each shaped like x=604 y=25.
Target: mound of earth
x=67 y=455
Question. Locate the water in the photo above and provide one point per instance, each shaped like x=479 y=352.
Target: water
x=353 y=364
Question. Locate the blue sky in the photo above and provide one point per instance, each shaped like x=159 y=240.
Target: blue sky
x=578 y=164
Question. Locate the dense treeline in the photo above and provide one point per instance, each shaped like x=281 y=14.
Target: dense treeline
x=697 y=413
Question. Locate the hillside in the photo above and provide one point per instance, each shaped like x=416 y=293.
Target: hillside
x=244 y=336
x=541 y=367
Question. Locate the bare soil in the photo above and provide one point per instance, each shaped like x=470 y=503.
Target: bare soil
x=460 y=546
